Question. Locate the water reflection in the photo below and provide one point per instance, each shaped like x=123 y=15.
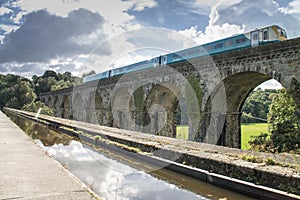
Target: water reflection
x=112 y=179
x=47 y=136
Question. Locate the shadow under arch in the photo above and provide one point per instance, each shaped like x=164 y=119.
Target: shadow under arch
x=48 y=102
x=120 y=106
x=160 y=109
x=65 y=107
x=237 y=89
x=99 y=110
x=55 y=104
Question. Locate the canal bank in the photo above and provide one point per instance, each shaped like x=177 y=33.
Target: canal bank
x=210 y=163
x=26 y=172
x=115 y=176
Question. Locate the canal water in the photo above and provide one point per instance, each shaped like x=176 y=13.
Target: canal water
x=114 y=177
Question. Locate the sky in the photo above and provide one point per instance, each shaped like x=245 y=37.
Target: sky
x=84 y=35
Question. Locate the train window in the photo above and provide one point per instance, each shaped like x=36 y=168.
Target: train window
x=229 y=43
x=255 y=37
x=220 y=45
x=208 y=48
x=191 y=52
x=241 y=40
x=266 y=36
x=199 y=50
x=281 y=32
x=164 y=60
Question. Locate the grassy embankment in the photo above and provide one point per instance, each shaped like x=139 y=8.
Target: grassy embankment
x=248 y=130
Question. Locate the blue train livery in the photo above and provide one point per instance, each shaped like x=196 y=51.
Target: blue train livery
x=253 y=38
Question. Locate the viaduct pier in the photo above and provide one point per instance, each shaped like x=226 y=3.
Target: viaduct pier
x=149 y=100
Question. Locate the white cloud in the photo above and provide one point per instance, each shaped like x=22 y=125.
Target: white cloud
x=210 y=3
x=56 y=39
x=255 y=14
x=212 y=32
x=213 y=4
x=134 y=46
x=111 y=10
x=226 y=18
x=117 y=20
x=270 y=84
x=140 y=5
x=293 y=8
x=215 y=32
x=8 y=28
x=193 y=33
x=4 y=10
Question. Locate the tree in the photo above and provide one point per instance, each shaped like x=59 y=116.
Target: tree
x=43 y=83
x=256 y=106
x=283 y=123
x=15 y=91
x=34 y=106
x=51 y=81
x=66 y=80
x=88 y=73
x=50 y=73
x=284 y=130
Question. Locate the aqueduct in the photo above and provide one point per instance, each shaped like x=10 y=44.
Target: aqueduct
x=149 y=100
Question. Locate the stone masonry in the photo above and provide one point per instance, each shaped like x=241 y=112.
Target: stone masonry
x=150 y=100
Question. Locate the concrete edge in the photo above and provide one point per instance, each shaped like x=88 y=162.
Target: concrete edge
x=59 y=165
x=247 y=188
x=250 y=189
x=69 y=173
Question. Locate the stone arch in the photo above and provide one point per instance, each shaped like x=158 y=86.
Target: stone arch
x=65 y=107
x=160 y=110
x=78 y=107
x=237 y=88
x=120 y=106
x=137 y=107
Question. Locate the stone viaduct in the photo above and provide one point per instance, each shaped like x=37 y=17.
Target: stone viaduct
x=156 y=99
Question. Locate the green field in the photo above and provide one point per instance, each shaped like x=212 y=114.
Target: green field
x=182 y=132
x=247 y=130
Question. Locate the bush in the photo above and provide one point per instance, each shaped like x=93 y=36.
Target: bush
x=284 y=130
x=34 y=106
x=262 y=142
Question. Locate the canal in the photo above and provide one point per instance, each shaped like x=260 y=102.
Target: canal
x=113 y=176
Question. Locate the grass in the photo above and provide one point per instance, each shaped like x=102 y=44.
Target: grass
x=247 y=130
x=182 y=132
x=253 y=129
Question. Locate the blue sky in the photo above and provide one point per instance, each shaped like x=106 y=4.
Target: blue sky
x=83 y=35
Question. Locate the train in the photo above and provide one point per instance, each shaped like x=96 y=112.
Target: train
x=252 y=38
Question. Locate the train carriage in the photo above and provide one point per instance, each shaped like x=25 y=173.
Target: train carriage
x=253 y=38
x=131 y=68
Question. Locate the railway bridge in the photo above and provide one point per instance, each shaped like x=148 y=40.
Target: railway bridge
x=206 y=93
